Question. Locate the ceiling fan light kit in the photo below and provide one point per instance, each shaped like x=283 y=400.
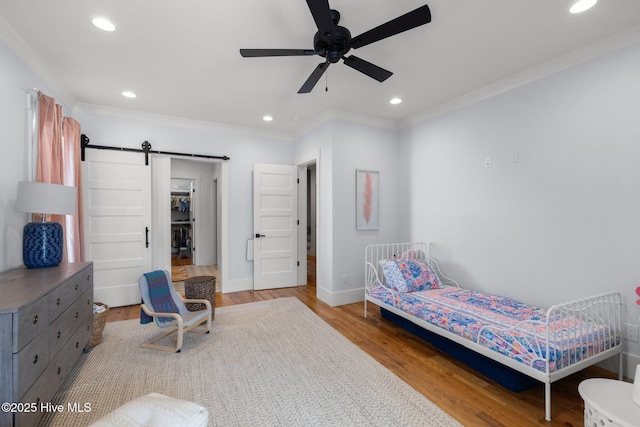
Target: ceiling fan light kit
x=333 y=41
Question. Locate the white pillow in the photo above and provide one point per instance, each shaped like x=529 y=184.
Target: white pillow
x=156 y=410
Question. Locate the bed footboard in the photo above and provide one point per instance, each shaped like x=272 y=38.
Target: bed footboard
x=572 y=332
x=598 y=317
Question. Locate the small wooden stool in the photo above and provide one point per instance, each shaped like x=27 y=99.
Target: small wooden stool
x=201 y=287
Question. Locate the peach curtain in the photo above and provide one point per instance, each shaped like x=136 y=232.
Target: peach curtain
x=72 y=177
x=59 y=163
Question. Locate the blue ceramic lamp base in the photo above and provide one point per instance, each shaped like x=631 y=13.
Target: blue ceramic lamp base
x=42 y=244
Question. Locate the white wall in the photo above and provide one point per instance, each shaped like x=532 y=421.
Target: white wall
x=556 y=216
x=362 y=147
x=345 y=147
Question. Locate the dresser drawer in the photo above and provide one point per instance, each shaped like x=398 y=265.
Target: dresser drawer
x=68 y=322
x=64 y=295
x=30 y=362
x=62 y=364
x=41 y=391
x=29 y=322
x=47 y=384
x=44 y=388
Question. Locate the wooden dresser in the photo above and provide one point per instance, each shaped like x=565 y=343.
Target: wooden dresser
x=46 y=320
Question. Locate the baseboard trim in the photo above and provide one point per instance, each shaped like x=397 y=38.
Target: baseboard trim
x=237 y=286
x=117 y=296
x=629 y=363
x=340 y=298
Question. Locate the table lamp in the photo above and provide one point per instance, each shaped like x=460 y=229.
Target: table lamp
x=42 y=242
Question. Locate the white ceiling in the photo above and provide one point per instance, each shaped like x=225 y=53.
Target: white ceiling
x=181 y=57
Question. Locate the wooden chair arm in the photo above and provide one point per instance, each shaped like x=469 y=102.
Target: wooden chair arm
x=152 y=313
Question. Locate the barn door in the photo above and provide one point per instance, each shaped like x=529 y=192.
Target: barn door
x=117 y=206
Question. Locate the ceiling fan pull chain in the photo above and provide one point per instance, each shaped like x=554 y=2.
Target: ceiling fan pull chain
x=326 y=81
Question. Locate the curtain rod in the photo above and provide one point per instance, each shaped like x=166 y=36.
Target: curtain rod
x=146 y=149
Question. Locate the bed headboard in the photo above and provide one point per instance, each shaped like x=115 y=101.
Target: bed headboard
x=376 y=252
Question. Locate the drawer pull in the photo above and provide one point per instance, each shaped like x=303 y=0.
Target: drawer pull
x=88 y=302
x=59 y=370
x=76 y=286
x=58 y=301
x=59 y=334
x=77 y=344
x=35 y=359
x=35 y=319
x=77 y=314
x=88 y=277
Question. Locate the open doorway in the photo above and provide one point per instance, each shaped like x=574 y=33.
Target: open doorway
x=195 y=207
x=183 y=226
x=310 y=242
x=311 y=224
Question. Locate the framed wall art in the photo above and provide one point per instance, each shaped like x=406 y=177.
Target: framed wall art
x=367 y=199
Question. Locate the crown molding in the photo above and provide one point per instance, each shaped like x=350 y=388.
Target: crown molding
x=581 y=55
x=333 y=114
x=17 y=44
x=177 y=121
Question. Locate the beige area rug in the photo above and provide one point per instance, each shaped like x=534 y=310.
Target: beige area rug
x=268 y=363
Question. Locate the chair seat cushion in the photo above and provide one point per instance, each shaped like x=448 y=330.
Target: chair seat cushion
x=188 y=318
x=156 y=410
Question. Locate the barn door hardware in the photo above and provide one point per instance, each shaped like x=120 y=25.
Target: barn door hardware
x=144 y=148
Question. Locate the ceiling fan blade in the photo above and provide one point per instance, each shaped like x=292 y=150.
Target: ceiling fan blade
x=321 y=13
x=314 y=77
x=252 y=53
x=415 y=18
x=371 y=70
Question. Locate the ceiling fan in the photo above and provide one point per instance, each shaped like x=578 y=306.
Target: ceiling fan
x=332 y=41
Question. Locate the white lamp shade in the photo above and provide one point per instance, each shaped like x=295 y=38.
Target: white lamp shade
x=43 y=198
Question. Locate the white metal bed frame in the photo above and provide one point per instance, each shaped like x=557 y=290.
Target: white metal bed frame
x=603 y=311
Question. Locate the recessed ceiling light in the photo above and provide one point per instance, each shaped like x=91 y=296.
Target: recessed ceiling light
x=582 y=5
x=103 y=24
x=395 y=101
x=128 y=94
x=267 y=118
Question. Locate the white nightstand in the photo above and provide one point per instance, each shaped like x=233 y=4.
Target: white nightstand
x=608 y=403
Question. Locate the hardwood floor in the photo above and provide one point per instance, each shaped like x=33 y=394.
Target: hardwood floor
x=463 y=393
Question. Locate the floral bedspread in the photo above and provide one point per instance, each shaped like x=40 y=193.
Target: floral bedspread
x=504 y=325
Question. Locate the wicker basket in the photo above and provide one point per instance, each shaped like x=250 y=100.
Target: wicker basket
x=99 y=320
x=201 y=287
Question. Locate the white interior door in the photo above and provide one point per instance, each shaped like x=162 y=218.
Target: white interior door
x=117 y=217
x=275 y=205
